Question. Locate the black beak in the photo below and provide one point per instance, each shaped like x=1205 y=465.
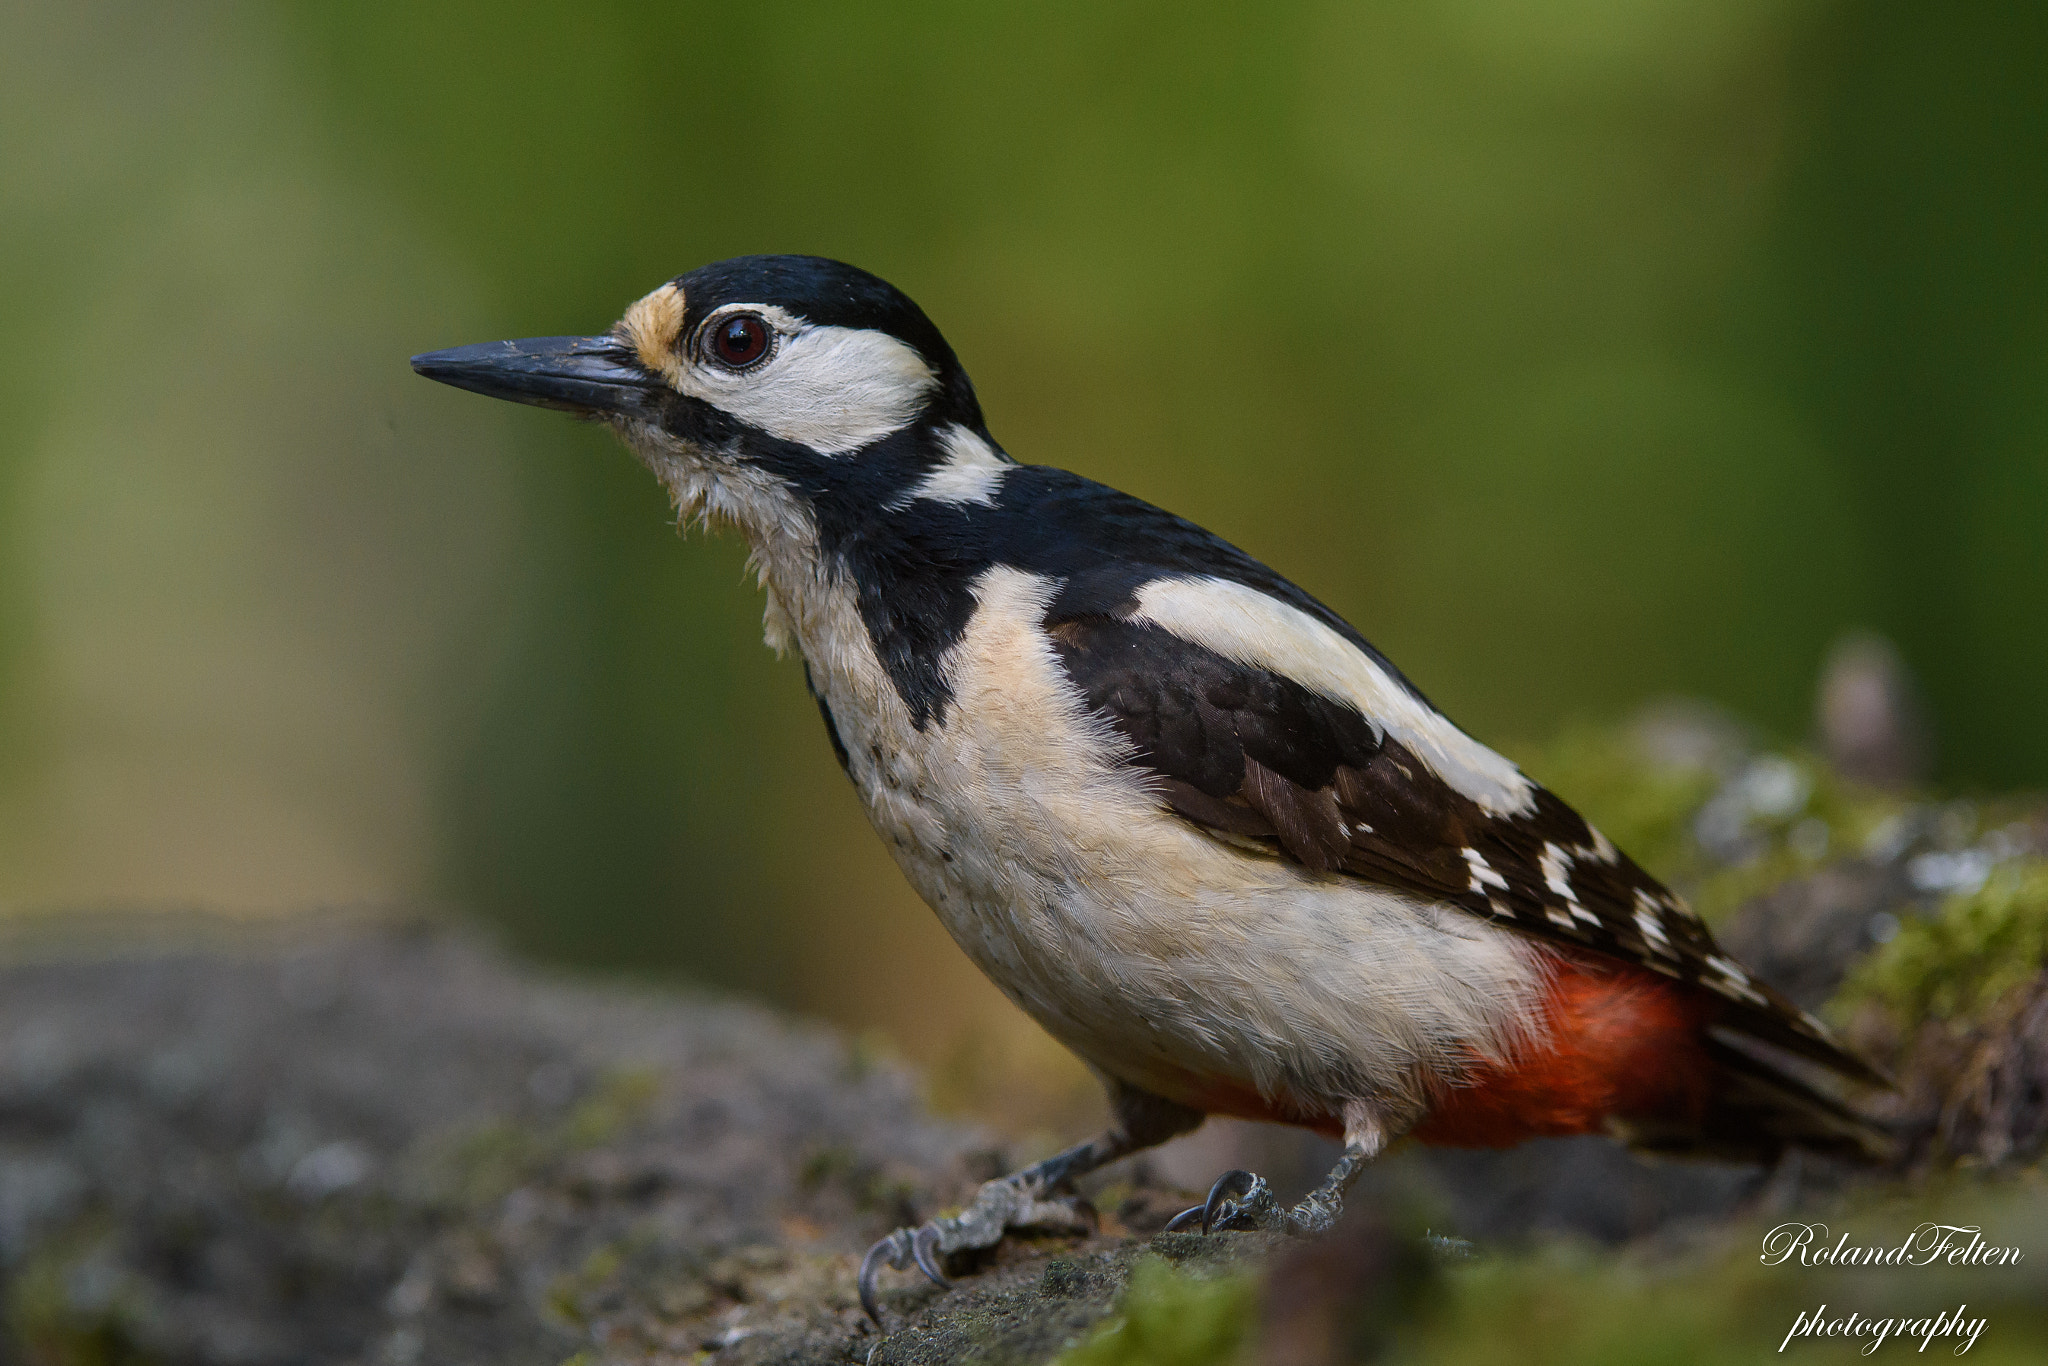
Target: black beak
x=591 y=376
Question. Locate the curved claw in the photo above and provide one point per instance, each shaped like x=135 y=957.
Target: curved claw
x=924 y=1249
x=1232 y=1185
x=898 y=1250
x=893 y=1250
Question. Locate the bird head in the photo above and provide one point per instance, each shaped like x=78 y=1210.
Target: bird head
x=754 y=384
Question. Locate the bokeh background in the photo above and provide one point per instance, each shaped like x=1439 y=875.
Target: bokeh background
x=1580 y=351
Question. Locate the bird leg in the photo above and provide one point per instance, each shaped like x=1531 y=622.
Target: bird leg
x=1242 y=1199
x=1040 y=1196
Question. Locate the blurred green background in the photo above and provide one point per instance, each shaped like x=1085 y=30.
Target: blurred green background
x=1578 y=350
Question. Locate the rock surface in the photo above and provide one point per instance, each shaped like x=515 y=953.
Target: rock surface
x=351 y=1142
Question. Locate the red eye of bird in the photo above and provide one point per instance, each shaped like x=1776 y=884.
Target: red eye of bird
x=740 y=340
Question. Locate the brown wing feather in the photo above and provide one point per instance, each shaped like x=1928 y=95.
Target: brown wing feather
x=1261 y=760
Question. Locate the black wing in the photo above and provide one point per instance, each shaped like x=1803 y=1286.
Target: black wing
x=1256 y=757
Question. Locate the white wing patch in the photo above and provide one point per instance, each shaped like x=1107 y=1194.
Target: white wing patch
x=1649 y=918
x=1556 y=865
x=1730 y=980
x=972 y=473
x=1483 y=874
x=834 y=389
x=1245 y=625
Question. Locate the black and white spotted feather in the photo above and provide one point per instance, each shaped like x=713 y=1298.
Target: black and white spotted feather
x=1258 y=758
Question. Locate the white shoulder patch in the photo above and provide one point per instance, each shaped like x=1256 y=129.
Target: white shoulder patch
x=972 y=472
x=834 y=389
x=1245 y=625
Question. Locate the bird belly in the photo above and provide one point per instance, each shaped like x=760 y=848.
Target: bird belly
x=1212 y=975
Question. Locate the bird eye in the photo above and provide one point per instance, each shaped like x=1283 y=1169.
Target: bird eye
x=740 y=340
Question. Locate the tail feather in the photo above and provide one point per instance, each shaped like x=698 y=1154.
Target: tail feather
x=1758 y=1108
x=1782 y=1024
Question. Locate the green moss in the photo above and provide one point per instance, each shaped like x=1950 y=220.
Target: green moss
x=1651 y=811
x=821 y=1166
x=622 y=1098
x=1724 y=1301
x=1168 y=1317
x=1568 y=1306
x=1833 y=819
x=476 y=1169
x=1958 y=963
x=50 y=1323
x=567 y=1294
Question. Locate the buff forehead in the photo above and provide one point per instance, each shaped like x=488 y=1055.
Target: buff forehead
x=652 y=325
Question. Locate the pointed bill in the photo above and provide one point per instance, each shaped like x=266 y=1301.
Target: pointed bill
x=590 y=376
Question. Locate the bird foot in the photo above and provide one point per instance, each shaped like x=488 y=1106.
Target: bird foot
x=1014 y=1202
x=1242 y=1200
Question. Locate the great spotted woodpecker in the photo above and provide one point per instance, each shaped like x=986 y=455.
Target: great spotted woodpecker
x=1178 y=810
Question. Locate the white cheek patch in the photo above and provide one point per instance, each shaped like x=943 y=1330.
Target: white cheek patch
x=834 y=389
x=1244 y=625
x=972 y=473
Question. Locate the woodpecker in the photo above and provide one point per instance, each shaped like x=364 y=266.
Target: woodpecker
x=1183 y=814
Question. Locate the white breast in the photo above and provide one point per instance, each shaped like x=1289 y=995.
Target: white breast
x=1156 y=952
